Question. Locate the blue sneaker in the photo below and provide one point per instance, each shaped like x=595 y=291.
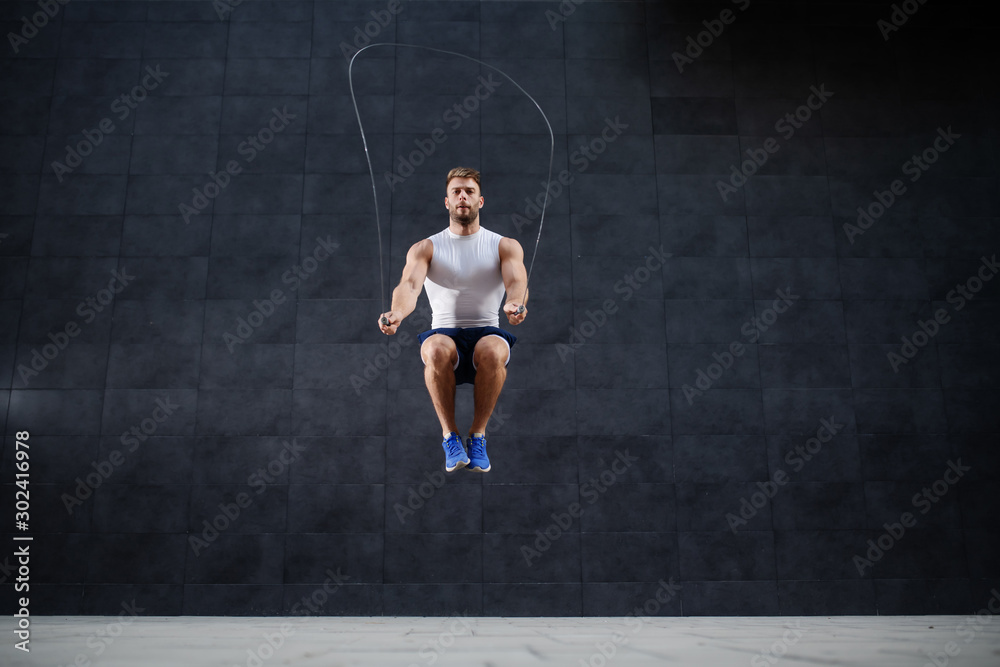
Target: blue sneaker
x=454 y=453
x=478 y=461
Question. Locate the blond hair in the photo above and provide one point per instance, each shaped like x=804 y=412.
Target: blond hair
x=463 y=172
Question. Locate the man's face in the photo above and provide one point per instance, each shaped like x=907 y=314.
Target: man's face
x=463 y=200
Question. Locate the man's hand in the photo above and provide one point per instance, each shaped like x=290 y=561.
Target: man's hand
x=513 y=316
x=393 y=323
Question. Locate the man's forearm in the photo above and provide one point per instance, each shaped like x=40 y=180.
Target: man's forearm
x=516 y=293
x=404 y=300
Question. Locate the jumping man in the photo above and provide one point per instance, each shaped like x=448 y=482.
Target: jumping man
x=465 y=269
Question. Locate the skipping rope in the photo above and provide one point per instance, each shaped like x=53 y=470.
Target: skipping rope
x=371 y=172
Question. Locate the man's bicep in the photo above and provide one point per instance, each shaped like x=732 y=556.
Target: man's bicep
x=417 y=264
x=511 y=260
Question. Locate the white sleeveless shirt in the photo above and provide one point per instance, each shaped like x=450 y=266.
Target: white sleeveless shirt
x=464 y=283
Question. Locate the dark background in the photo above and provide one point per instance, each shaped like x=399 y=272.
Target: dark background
x=564 y=413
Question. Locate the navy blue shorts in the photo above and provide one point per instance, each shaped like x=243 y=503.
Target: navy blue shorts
x=465 y=340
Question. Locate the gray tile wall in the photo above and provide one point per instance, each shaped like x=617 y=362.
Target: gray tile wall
x=742 y=419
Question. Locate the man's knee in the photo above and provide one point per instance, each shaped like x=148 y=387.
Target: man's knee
x=491 y=352
x=439 y=350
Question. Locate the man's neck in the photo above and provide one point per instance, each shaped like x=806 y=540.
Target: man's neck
x=463 y=230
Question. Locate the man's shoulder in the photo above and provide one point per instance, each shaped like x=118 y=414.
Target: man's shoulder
x=508 y=243
x=423 y=248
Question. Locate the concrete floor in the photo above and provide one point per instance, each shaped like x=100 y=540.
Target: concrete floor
x=466 y=641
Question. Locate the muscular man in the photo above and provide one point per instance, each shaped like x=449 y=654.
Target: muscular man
x=465 y=269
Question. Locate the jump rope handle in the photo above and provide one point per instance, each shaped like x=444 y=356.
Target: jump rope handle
x=385 y=320
x=520 y=309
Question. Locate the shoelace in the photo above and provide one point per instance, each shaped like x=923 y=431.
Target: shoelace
x=454 y=447
x=477 y=447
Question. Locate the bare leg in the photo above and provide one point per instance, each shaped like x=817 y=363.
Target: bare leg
x=440 y=354
x=490 y=356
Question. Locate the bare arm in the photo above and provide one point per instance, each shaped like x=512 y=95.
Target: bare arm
x=404 y=297
x=515 y=279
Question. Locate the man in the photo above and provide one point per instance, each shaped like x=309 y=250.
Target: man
x=465 y=270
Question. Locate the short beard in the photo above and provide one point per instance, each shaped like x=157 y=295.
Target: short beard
x=467 y=219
